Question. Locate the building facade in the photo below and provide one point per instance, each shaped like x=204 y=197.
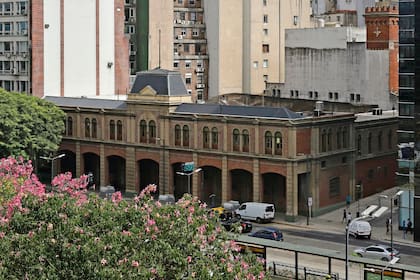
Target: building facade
x=15 y=62
x=245 y=153
x=409 y=102
x=339 y=65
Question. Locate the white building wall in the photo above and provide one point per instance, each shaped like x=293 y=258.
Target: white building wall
x=52 y=48
x=106 y=47
x=211 y=18
x=80 y=48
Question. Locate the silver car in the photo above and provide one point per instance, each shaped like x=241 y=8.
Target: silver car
x=379 y=252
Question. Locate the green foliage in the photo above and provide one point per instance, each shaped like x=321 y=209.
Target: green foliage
x=29 y=126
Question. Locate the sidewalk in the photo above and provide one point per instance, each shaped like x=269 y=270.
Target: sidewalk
x=332 y=221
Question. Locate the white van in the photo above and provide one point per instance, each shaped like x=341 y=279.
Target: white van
x=360 y=229
x=256 y=211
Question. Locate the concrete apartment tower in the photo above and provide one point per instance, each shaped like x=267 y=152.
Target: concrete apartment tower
x=382 y=34
x=79 y=48
x=15 y=61
x=246 y=42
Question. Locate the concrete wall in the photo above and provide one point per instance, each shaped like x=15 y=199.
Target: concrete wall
x=345 y=71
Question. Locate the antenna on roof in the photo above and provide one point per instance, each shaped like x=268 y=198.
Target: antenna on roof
x=159 y=50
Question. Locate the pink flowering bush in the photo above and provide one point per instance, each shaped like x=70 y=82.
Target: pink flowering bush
x=70 y=234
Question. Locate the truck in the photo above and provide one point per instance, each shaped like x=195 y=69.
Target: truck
x=256 y=211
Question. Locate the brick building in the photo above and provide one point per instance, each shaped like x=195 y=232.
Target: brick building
x=246 y=153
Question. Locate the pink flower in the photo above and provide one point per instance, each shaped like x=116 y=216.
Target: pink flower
x=191 y=209
x=104 y=262
x=116 y=197
x=151 y=222
x=126 y=233
x=2 y=234
x=189 y=259
x=135 y=263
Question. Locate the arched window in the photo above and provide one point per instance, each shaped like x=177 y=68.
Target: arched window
x=185 y=136
x=389 y=139
x=380 y=141
x=236 y=140
x=119 y=130
x=345 y=138
x=268 y=140
x=329 y=140
x=245 y=141
x=338 y=140
x=323 y=140
x=206 y=137
x=370 y=143
x=152 y=132
x=177 y=135
x=87 y=127
x=278 y=141
x=359 y=144
x=214 y=138
x=94 y=129
x=112 y=130
x=70 y=126
x=143 y=131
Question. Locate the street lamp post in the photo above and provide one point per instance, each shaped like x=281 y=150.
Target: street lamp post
x=390 y=220
x=162 y=141
x=52 y=163
x=188 y=176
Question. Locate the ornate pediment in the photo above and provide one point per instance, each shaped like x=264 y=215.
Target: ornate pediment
x=148 y=91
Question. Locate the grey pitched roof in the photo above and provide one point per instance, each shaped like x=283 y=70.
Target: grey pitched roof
x=164 y=82
x=246 y=111
x=83 y=102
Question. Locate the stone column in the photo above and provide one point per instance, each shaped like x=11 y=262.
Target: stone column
x=225 y=186
x=78 y=160
x=256 y=181
x=102 y=160
x=130 y=170
x=291 y=192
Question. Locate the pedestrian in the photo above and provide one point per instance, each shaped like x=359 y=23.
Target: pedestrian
x=387 y=225
x=344 y=216
x=409 y=226
x=404 y=228
x=348 y=218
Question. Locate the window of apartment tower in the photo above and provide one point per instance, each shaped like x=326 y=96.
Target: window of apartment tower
x=265 y=18
x=187 y=48
x=187 y=64
x=112 y=130
x=188 y=80
x=236 y=140
x=185 y=136
x=87 y=127
x=177 y=135
x=181 y=14
x=345 y=140
x=266 y=48
x=329 y=140
x=358 y=97
x=245 y=141
x=338 y=138
x=265 y=2
x=265 y=63
x=143 y=131
x=265 y=32
x=370 y=143
x=265 y=78
x=278 y=143
x=335 y=95
x=193 y=16
x=324 y=141
x=152 y=132
x=268 y=141
x=197 y=48
x=176 y=64
x=119 y=130
x=94 y=129
x=214 y=138
x=206 y=137
x=200 y=95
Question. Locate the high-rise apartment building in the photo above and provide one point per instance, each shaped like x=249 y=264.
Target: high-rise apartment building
x=14 y=45
x=409 y=103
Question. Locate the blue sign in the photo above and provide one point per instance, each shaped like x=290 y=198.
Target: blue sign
x=188 y=166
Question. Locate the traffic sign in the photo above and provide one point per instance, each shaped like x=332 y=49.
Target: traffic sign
x=188 y=166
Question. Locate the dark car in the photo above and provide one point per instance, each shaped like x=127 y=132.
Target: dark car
x=268 y=233
x=242 y=226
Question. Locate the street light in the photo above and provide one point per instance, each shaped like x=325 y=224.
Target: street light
x=52 y=163
x=189 y=175
x=162 y=141
x=390 y=221
x=347 y=242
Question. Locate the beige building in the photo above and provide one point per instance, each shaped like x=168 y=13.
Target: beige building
x=246 y=42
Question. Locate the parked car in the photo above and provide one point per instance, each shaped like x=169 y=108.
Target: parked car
x=268 y=233
x=360 y=229
x=256 y=211
x=243 y=226
x=379 y=252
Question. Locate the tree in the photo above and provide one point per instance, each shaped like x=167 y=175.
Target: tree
x=69 y=234
x=30 y=126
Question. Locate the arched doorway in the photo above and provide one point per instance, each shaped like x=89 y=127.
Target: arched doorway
x=242 y=185
x=116 y=173
x=148 y=174
x=91 y=163
x=274 y=190
x=211 y=186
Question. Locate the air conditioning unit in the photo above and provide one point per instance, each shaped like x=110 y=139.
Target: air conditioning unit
x=178 y=21
x=180 y=37
x=13 y=71
x=199 y=70
x=24 y=32
x=201 y=85
x=182 y=21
